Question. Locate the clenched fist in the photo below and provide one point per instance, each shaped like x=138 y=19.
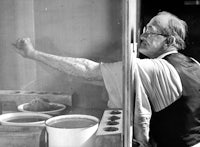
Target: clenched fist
x=24 y=47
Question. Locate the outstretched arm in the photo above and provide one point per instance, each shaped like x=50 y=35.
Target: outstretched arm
x=78 y=67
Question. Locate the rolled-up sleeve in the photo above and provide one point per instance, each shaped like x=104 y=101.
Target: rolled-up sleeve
x=112 y=76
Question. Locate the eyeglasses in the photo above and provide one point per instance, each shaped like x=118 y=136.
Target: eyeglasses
x=150 y=33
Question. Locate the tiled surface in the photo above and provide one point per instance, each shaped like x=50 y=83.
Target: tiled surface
x=17 y=136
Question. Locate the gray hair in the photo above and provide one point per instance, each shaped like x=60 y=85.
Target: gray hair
x=176 y=28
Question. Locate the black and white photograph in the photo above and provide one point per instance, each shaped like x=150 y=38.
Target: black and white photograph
x=99 y=73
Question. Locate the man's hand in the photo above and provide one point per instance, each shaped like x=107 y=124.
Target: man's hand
x=24 y=47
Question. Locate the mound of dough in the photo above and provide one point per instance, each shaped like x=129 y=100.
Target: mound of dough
x=38 y=104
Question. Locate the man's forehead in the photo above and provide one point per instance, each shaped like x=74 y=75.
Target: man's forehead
x=160 y=21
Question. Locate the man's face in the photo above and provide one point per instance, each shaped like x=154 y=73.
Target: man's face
x=152 y=39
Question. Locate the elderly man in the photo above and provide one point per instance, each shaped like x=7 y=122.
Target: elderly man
x=169 y=81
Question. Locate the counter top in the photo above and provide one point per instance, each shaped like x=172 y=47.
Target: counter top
x=87 y=111
x=11 y=99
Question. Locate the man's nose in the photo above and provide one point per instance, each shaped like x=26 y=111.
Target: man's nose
x=144 y=36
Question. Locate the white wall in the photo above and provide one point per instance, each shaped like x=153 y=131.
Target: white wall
x=16 y=20
x=79 y=28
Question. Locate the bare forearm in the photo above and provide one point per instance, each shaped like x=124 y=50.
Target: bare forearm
x=78 y=67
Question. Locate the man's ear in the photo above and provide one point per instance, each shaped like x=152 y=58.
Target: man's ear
x=170 y=40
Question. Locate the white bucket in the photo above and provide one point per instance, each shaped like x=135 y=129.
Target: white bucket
x=71 y=130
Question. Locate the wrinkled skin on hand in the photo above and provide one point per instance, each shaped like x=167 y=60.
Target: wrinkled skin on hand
x=24 y=47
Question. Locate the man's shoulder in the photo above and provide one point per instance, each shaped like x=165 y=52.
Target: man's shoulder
x=179 y=59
